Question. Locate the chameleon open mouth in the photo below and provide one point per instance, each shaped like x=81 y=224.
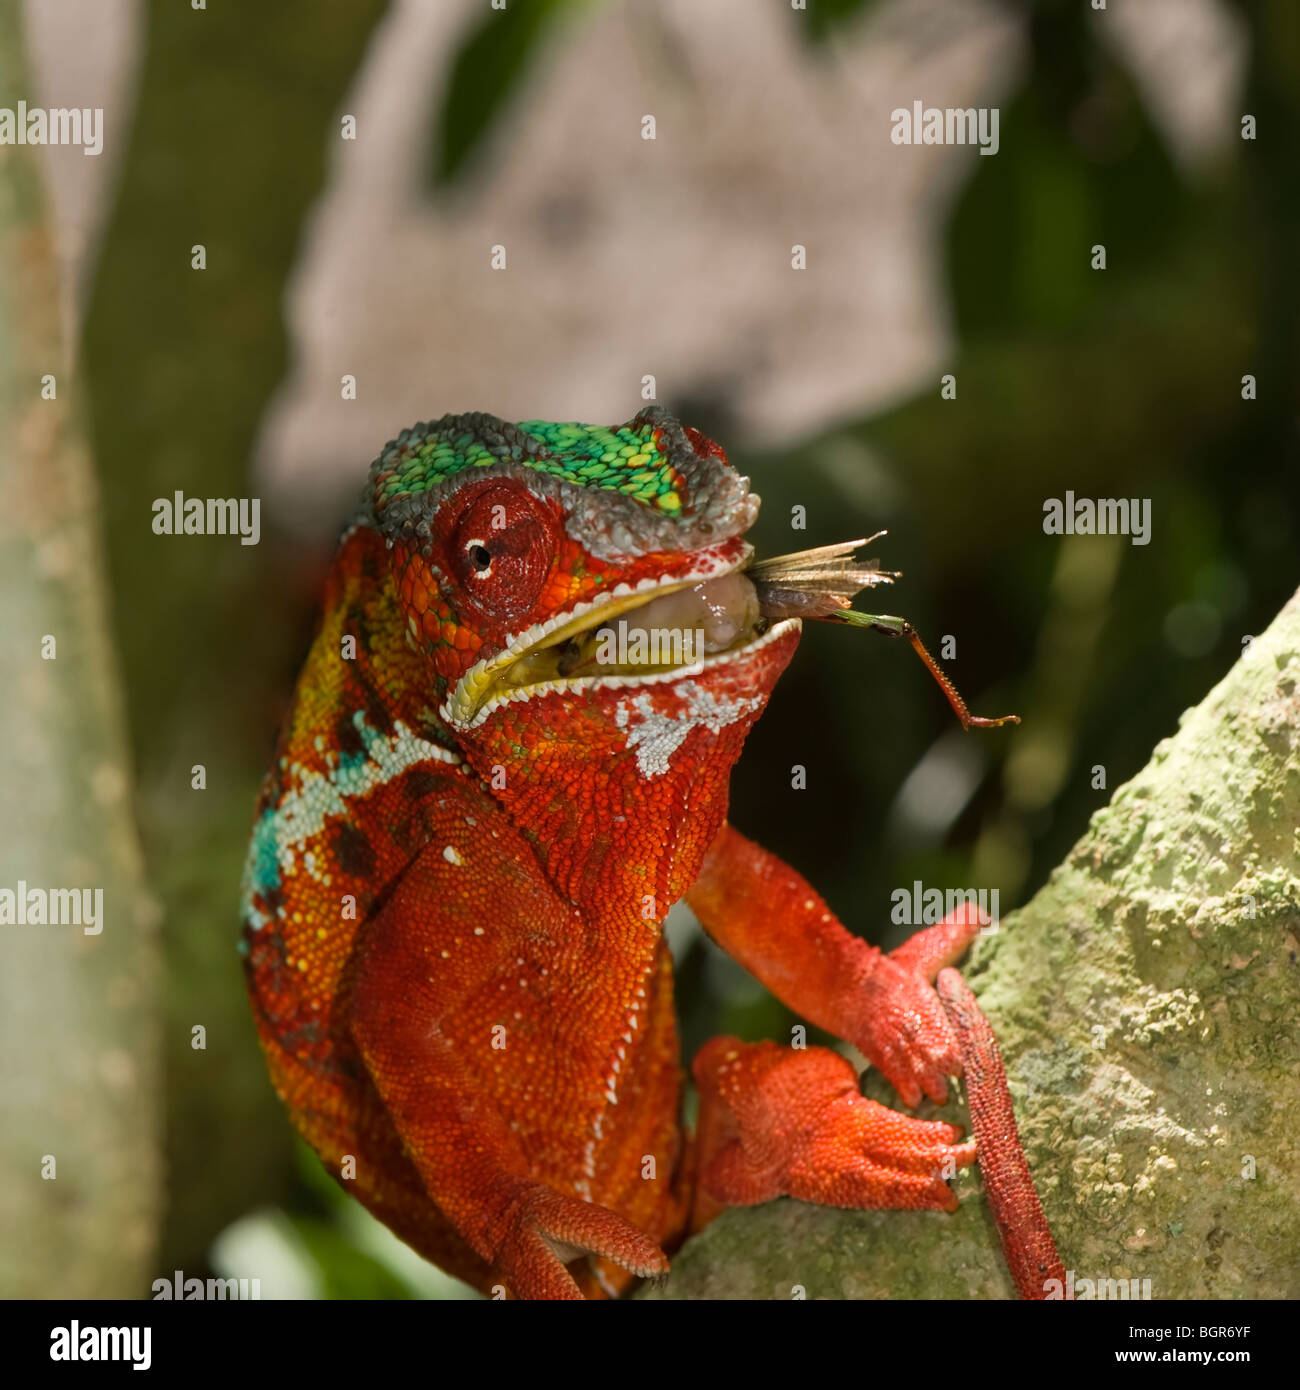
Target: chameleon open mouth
x=663 y=630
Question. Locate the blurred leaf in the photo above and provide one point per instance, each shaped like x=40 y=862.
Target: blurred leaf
x=345 y=1271
x=824 y=17
x=486 y=73
x=1079 y=164
x=355 y=1234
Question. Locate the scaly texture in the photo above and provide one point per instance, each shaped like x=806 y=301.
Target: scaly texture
x=462 y=860
x=1027 y=1243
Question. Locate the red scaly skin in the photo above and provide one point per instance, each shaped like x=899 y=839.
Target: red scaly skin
x=453 y=902
x=1027 y=1242
x=795 y=1124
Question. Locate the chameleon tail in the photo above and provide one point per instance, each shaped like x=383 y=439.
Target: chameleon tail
x=1027 y=1244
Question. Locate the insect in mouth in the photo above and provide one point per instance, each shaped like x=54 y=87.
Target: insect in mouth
x=822 y=582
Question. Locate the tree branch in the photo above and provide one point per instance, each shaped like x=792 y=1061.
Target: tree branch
x=1146 y=1003
x=78 y=1029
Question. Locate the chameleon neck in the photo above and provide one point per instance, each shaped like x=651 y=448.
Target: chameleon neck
x=622 y=846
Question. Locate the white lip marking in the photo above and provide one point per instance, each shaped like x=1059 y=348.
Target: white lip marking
x=572 y=687
x=656 y=736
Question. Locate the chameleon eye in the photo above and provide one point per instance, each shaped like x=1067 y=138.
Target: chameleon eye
x=501 y=547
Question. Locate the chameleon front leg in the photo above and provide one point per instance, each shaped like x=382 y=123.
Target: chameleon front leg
x=777 y=1120
x=771 y=920
x=432 y=951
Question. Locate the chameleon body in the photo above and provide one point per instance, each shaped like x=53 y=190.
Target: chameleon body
x=466 y=847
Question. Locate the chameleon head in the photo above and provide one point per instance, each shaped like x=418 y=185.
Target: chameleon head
x=582 y=580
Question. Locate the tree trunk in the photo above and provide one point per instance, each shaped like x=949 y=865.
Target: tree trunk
x=79 y=1149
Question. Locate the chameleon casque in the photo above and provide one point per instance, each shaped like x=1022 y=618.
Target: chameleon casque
x=469 y=839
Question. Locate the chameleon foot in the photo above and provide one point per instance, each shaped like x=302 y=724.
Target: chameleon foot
x=545 y=1230
x=794 y=1124
x=904 y=1032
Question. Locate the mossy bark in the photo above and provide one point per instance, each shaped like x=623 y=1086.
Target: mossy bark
x=1146 y=1001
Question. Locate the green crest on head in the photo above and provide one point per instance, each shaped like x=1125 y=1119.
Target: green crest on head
x=632 y=459
x=626 y=489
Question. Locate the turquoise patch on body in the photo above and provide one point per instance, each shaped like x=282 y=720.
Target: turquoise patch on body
x=261 y=870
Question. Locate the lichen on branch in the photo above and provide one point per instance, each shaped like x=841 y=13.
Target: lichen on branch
x=1146 y=1002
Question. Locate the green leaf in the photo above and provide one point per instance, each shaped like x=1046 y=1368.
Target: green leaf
x=1080 y=164
x=345 y=1271
x=823 y=17
x=486 y=73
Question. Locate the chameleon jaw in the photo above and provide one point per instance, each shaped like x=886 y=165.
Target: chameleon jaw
x=558 y=655
x=495 y=699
